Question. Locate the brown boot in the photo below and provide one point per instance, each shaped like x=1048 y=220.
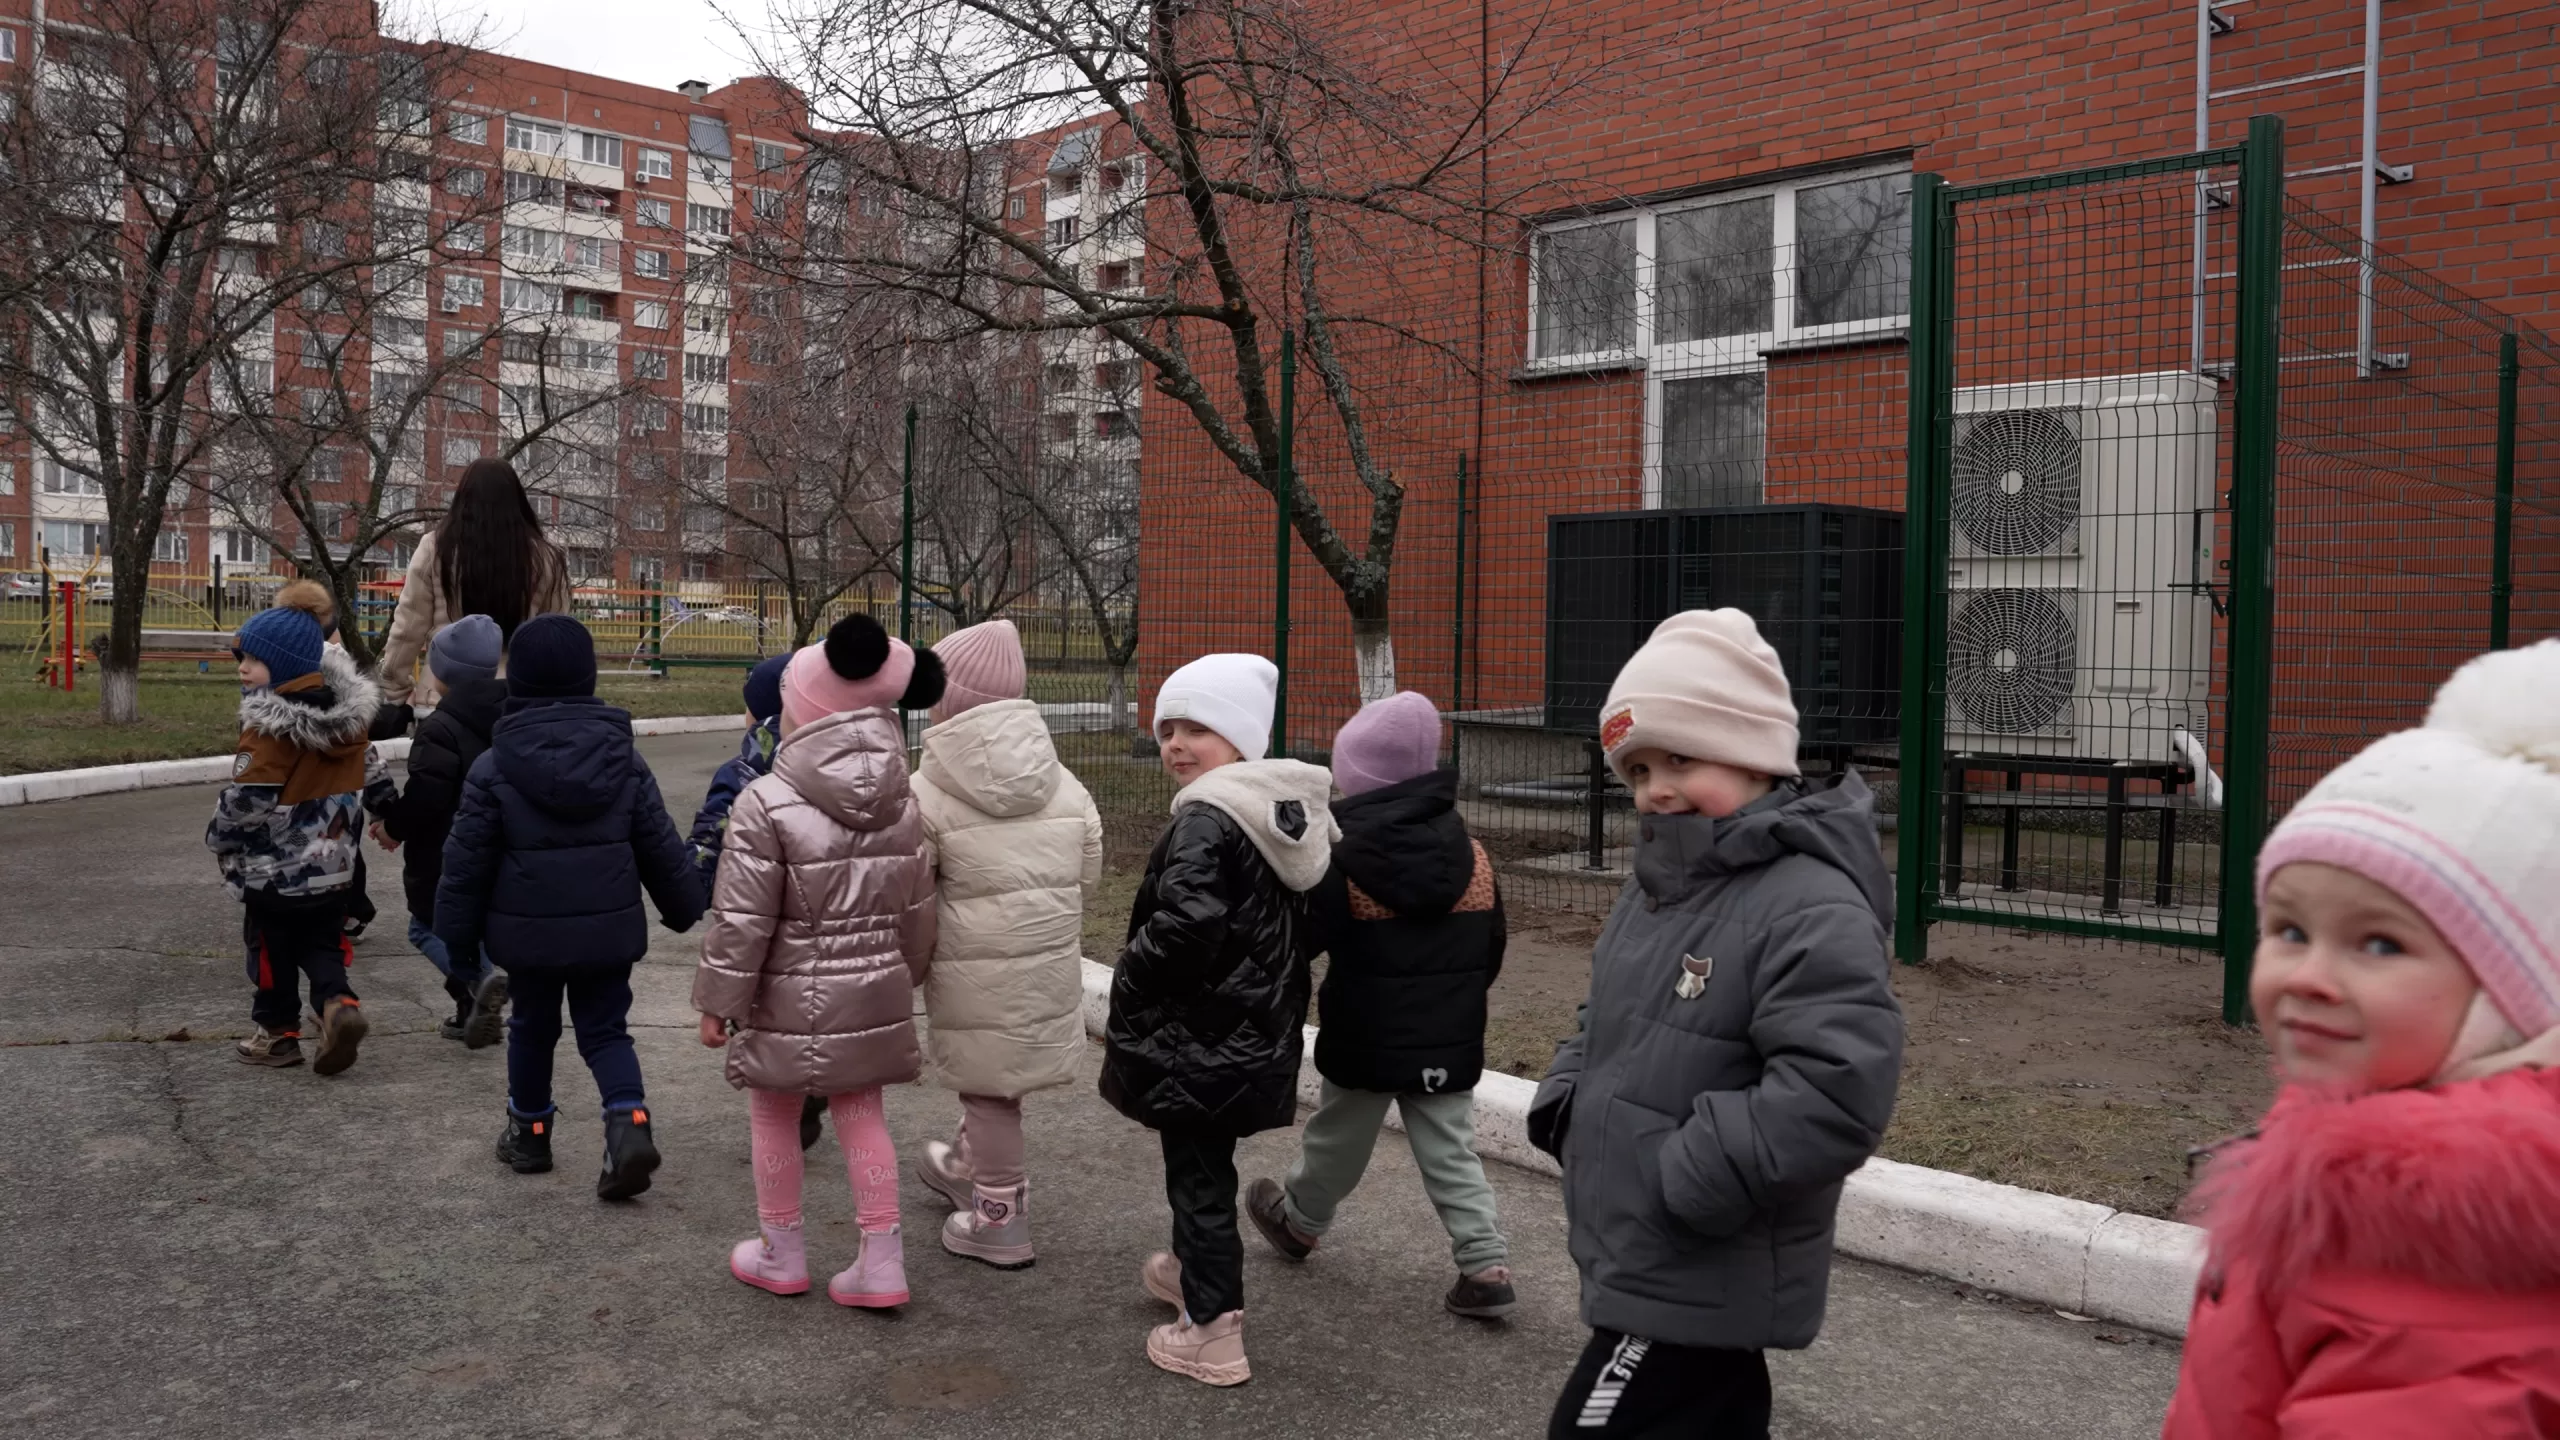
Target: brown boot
x=342 y=1027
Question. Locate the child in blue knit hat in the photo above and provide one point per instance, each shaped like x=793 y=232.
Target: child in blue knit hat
x=288 y=827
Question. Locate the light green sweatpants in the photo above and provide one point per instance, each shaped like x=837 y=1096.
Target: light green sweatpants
x=1334 y=1151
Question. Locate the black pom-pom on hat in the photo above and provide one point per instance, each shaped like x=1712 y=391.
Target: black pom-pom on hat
x=857 y=647
x=925 y=686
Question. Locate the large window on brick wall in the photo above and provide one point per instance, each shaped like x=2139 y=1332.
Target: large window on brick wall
x=1700 y=292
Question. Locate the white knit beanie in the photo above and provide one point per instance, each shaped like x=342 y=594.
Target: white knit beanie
x=1705 y=685
x=1230 y=694
x=2460 y=818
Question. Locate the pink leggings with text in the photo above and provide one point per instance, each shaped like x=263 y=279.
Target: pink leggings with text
x=869 y=1161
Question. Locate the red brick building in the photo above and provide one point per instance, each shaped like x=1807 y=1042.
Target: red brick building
x=1728 y=205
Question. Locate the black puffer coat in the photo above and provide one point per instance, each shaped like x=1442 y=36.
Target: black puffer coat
x=1414 y=922
x=561 y=829
x=448 y=741
x=1209 y=1001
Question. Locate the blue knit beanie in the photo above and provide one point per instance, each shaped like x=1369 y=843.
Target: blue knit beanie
x=764 y=687
x=552 y=657
x=285 y=639
x=467 y=649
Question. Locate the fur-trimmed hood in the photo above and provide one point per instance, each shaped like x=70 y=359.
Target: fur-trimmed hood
x=2452 y=1185
x=329 y=716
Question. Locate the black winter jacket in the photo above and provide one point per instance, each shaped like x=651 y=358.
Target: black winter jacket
x=1413 y=920
x=561 y=828
x=439 y=758
x=1209 y=1001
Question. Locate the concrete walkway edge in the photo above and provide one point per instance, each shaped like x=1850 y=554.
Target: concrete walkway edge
x=44 y=785
x=2077 y=1257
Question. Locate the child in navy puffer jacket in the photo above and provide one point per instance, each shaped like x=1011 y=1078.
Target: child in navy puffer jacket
x=754 y=761
x=561 y=829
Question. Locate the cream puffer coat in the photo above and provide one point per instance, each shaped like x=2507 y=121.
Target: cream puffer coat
x=822 y=918
x=1020 y=848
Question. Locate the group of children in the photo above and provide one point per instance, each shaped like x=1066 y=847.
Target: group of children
x=2380 y=1253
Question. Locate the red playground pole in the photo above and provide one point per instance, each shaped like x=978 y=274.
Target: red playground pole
x=70 y=628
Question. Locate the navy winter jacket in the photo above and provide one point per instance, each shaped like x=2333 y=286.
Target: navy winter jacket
x=560 y=830
x=753 y=762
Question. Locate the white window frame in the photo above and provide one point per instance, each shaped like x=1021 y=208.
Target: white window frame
x=649 y=314
x=465 y=128
x=235 y=546
x=658 y=213
x=8 y=46
x=534 y=137
x=597 y=148
x=1668 y=361
x=657 y=164
x=651 y=264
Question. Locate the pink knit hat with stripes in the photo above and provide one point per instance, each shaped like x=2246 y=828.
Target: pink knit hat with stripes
x=2461 y=818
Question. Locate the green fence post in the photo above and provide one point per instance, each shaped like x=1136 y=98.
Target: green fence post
x=1458 y=611
x=1923 y=571
x=1287 y=498
x=2253 y=537
x=907 y=531
x=2502 y=580
x=658 y=632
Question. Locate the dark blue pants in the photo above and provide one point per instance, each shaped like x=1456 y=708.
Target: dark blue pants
x=287 y=946
x=599 y=1001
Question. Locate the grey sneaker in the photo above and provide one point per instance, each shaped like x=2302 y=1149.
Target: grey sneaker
x=1485 y=1295
x=1263 y=1201
x=263 y=1048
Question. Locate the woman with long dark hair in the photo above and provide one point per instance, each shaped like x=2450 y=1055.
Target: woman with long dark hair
x=488 y=557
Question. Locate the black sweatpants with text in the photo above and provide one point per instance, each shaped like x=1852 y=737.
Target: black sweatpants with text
x=1626 y=1387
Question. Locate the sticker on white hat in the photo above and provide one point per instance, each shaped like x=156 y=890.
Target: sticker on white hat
x=1615 y=729
x=1174 y=707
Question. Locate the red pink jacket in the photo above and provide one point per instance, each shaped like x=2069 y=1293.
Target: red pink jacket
x=2381 y=1267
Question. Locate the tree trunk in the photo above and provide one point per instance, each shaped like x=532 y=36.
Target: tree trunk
x=351 y=624
x=1116 y=698
x=120 y=670
x=1375 y=650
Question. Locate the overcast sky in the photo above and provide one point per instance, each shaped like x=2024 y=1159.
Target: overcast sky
x=647 y=42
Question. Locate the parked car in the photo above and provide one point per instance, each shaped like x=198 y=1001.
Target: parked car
x=22 y=586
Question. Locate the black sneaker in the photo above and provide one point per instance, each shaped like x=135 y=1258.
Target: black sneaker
x=1485 y=1295
x=488 y=1023
x=526 y=1146
x=452 y=1029
x=813 y=1108
x=1262 y=1201
x=629 y=1155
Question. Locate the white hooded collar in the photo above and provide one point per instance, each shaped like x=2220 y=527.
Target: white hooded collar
x=1257 y=794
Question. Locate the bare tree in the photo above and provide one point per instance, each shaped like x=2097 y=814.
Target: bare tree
x=182 y=172
x=1264 y=168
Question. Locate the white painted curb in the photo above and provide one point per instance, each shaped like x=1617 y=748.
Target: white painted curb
x=2070 y=1254
x=209 y=769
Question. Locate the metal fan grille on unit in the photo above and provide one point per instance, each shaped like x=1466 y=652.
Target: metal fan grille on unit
x=2010 y=655
x=2017 y=480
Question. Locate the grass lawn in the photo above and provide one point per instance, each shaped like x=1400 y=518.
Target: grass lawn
x=186 y=714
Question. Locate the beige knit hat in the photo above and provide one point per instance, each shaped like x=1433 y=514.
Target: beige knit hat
x=1705 y=685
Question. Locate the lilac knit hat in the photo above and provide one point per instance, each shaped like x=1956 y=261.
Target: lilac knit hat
x=1389 y=742
x=2460 y=818
x=981 y=664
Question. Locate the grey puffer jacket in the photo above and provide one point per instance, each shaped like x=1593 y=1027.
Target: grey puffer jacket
x=1705 y=1128
x=822 y=918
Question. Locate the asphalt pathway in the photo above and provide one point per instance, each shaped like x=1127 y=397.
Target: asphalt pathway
x=201 y=1248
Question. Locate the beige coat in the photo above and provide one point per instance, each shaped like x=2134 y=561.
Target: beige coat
x=1019 y=845
x=822 y=918
x=423 y=610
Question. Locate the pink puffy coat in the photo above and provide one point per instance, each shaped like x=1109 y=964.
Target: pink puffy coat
x=2387 y=1266
x=822 y=918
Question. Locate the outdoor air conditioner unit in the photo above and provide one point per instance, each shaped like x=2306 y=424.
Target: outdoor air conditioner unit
x=2080 y=613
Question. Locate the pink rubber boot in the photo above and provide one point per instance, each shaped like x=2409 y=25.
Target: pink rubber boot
x=878 y=1278
x=777 y=1260
x=996 y=1229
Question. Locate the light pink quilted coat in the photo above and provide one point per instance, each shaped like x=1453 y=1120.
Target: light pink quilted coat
x=822 y=920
